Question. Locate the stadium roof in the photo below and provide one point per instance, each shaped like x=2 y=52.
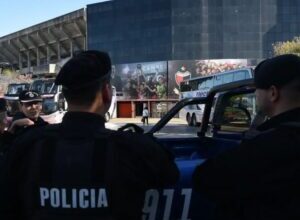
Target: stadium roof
x=44 y=43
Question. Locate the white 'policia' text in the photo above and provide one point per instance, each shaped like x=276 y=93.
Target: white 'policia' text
x=73 y=198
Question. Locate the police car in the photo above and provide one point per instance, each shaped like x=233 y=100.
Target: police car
x=234 y=111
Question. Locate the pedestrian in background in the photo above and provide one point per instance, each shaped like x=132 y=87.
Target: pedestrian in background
x=145 y=116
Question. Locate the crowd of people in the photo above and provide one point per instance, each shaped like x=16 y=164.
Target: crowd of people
x=209 y=67
x=138 y=86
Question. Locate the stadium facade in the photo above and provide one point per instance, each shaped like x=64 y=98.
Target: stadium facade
x=158 y=39
x=140 y=30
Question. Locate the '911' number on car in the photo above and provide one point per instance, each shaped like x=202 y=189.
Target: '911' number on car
x=152 y=200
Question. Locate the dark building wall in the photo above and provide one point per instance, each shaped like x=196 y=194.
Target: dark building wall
x=131 y=30
x=240 y=28
x=100 y=26
x=232 y=28
x=220 y=29
x=187 y=29
x=144 y=30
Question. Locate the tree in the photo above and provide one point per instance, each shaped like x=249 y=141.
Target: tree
x=287 y=47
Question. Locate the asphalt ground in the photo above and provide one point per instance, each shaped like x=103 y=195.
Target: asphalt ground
x=176 y=127
x=152 y=121
x=115 y=123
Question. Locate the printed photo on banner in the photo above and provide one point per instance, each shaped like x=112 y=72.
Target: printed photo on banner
x=141 y=80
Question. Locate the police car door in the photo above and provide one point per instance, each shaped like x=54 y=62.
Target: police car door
x=191 y=147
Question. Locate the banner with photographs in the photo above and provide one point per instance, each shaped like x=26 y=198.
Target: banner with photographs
x=141 y=80
x=180 y=70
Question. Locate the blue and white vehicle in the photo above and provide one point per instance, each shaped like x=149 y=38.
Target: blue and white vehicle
x=200 y=86
x=231 y=119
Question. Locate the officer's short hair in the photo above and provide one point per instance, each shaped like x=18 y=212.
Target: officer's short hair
x=83 y=75
x=279 y=71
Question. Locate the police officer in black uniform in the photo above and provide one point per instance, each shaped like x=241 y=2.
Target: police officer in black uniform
x=79 y=169
x=5 y=137
x=31 y=106
x=261 y=178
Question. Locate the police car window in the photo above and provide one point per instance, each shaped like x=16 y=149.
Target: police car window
x=238 y=113
x=185 y=124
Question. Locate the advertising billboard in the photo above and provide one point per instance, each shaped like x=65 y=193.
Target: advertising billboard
x=141 y=80
x=180 y=70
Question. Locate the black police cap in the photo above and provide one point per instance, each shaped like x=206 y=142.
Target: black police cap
x=277 y=71
x=85 y=68
x=29 y=96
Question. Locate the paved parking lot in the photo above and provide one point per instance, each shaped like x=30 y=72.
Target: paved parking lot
x=152 y=121
x=175 y=128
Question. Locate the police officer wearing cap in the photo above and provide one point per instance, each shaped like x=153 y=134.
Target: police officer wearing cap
x=79 y=169
x=31 y=106
x=260 y=179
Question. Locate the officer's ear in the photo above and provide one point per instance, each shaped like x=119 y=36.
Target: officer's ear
x=106 y=93
x=274 y=94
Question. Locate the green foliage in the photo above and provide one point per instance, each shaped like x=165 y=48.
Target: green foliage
x=287 y=47
x=8 y=72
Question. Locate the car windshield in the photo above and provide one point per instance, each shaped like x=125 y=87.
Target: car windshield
x=44 y=86
x=16 y=89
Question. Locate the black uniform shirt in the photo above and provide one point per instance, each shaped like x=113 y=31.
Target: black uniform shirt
x=80 y=169
x=262 y=175
x=19 y=130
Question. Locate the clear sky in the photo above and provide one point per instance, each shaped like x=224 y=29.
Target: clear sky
x=19 y=14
